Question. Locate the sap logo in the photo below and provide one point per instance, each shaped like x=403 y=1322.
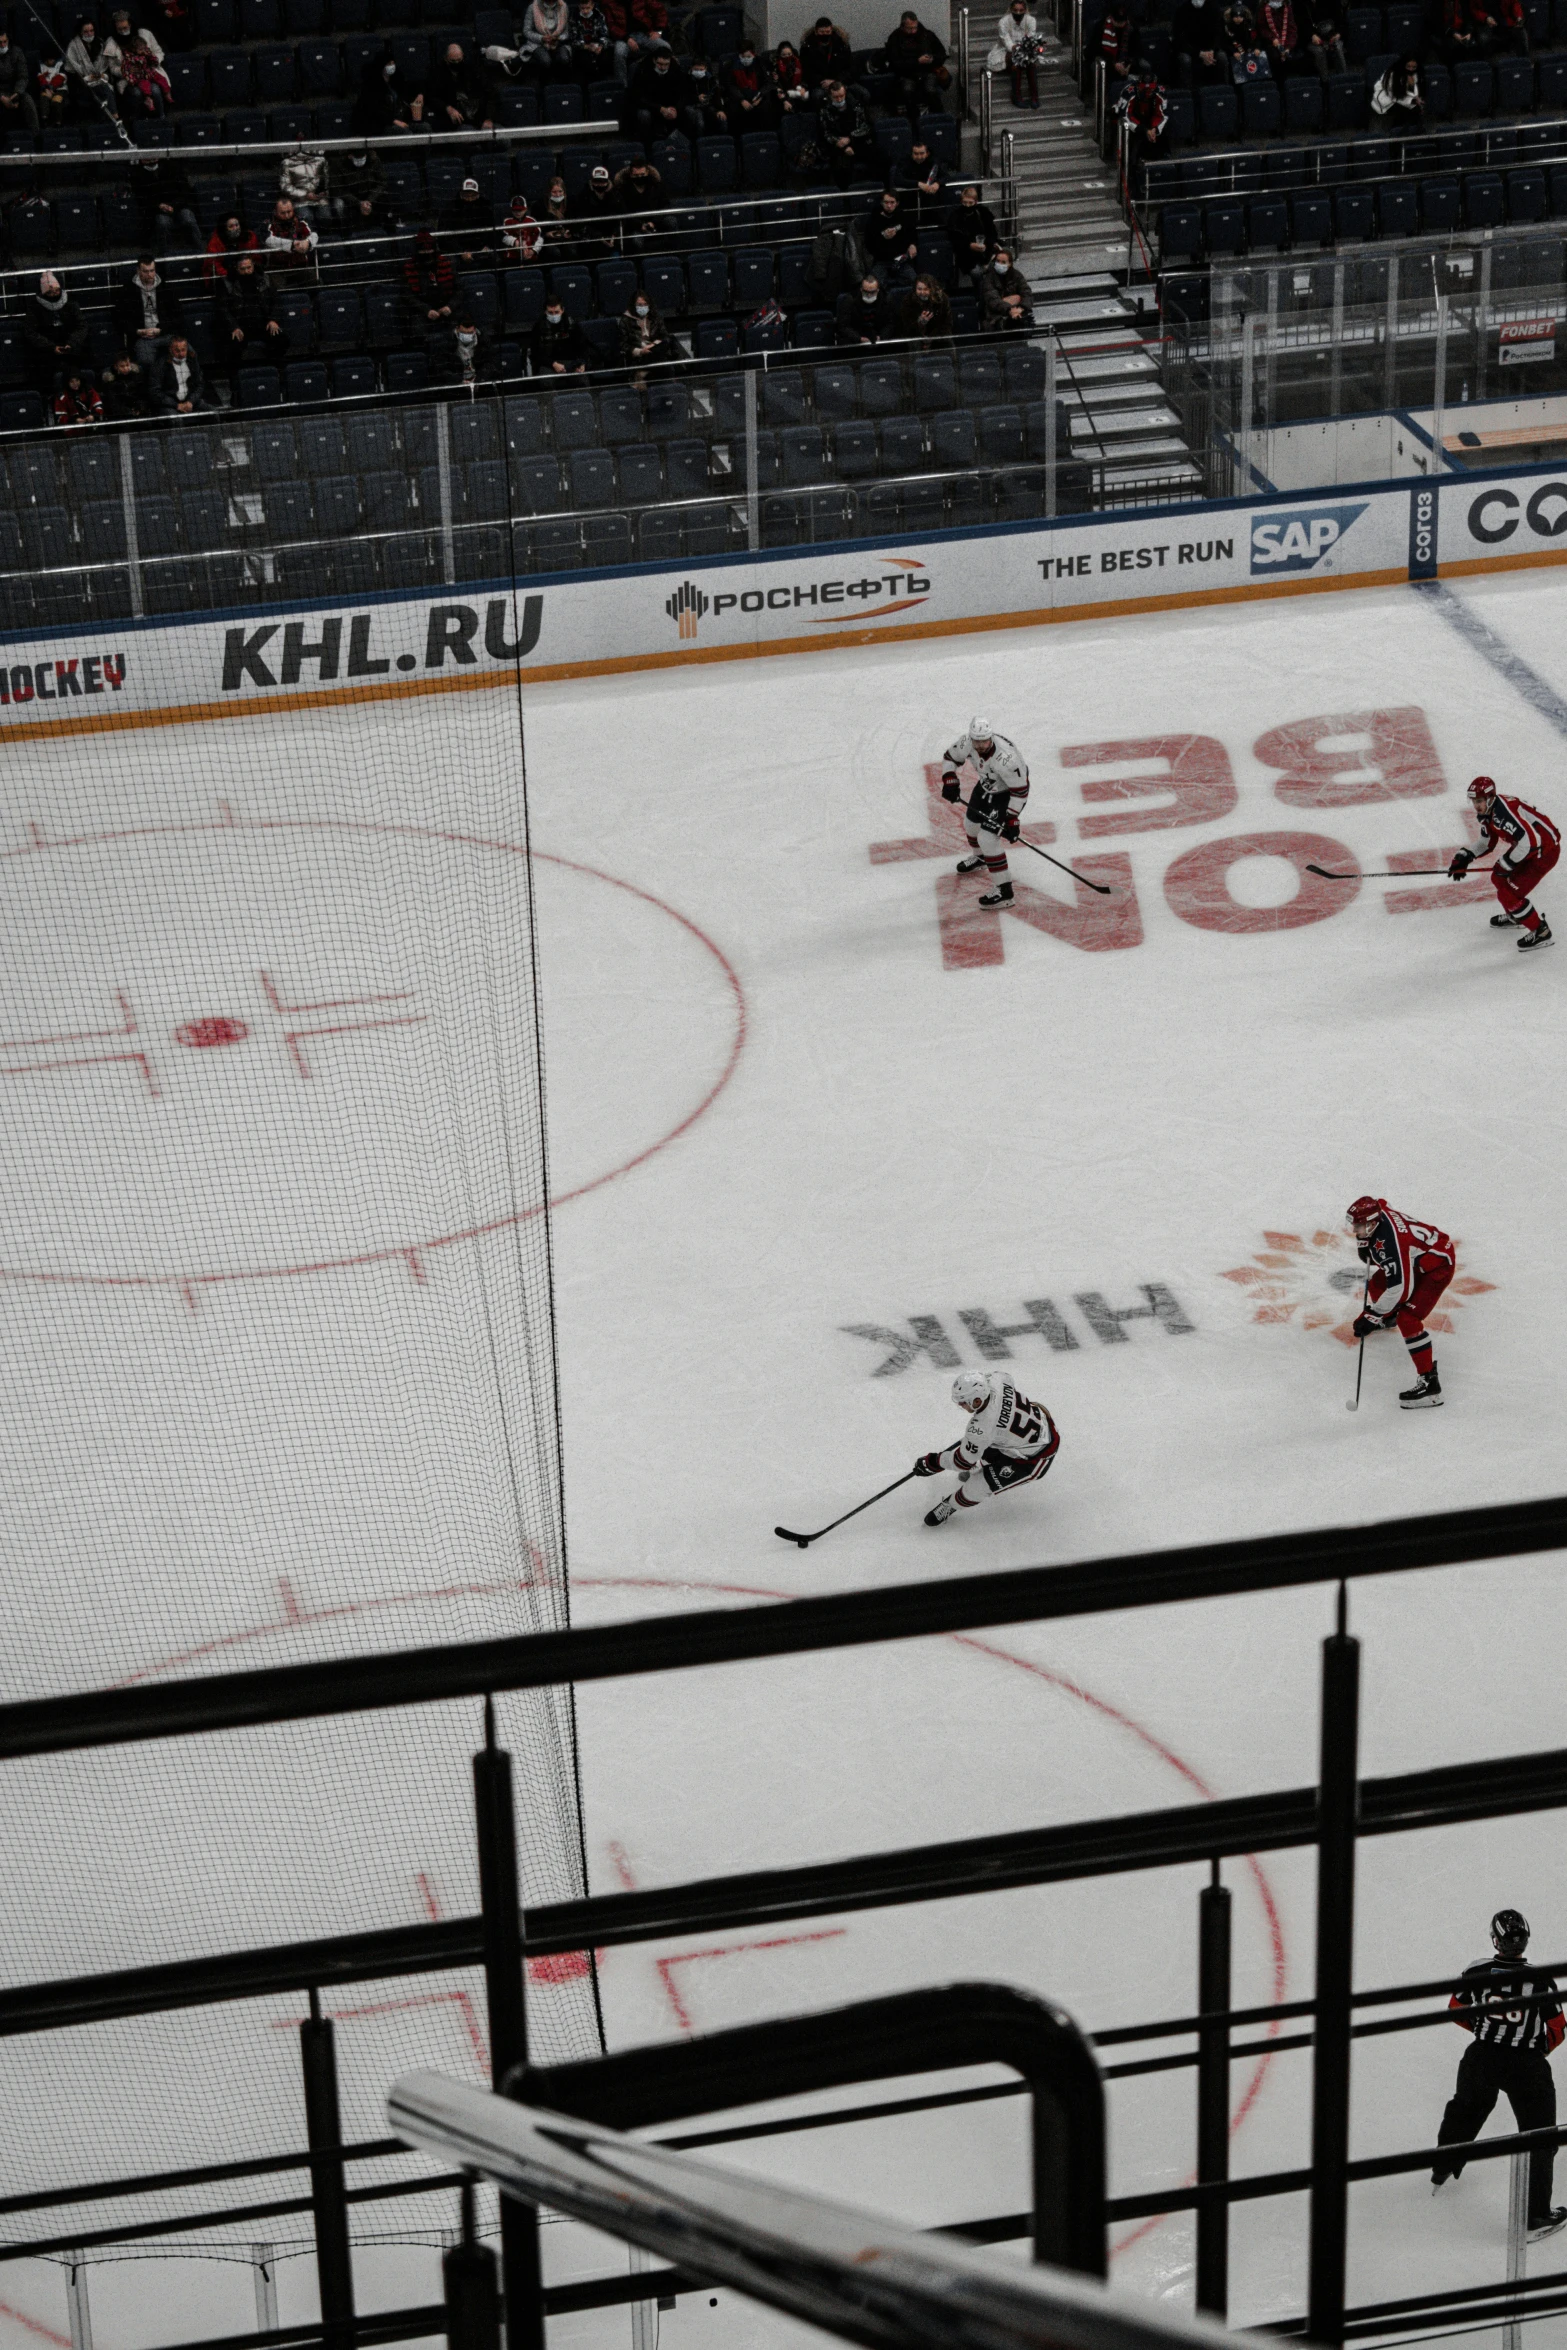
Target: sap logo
x=1298 y=542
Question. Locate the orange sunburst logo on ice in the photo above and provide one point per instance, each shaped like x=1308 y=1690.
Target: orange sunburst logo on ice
x=1317 y=1283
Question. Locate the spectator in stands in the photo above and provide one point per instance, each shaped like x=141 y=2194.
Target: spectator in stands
x=166 y=202
x=825 y=55
x=1143 y=108
x=1323 y=46
x=1017 y=52
x=127 y=396
x=546 y=38
x=844 y=131
x=887 y=238
x=463 y=356
x=228 y=240
x=644 y=338
x=134 y=57
x=1483 y=30
x=1280 y=30
x=659 y=98
x=469 y=223
x=921 y=186
x=357 y=181
x=76 y=402
x=304 y=180
x=791 y=92
x=92 y=85
x=639 y=192
x=381 y=106
x=917 y=61
x=556 y=226
x=458 y=95
x=925 y=314
x=248 y=332
x=179 y=388
x=175 y=25
x=1202 y=57
x=598 y=213
x=428 y=282
x=18 y=109
x=51 y=87
x=288 y=240
x=1512 y=28
x=748 y=83
x=1399 y=95
x=1116 y=38
x=147 y=312
x=54 y=328
x=708 y=97
x=592 y=43
x=971 y=231
x=1004 y=296
x=1248 y=57
x=559 y=347
x=521 y=236
x=864 y=313
x=637 y=27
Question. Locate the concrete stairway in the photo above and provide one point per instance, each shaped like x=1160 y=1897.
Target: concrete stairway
x=1069 y=222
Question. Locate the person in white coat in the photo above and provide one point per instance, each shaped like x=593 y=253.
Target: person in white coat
x=1017 y=52
x=995 y=803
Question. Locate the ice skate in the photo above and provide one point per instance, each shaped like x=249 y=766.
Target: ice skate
x=1423 y=1396
x=942 y=1511
x=971 y=864
x=1549 y=2225
x=1526 y=945
x=1503 y=922
x=1001 y=895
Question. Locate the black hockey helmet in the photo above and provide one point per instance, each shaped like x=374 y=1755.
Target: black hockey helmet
x=1510 y=1933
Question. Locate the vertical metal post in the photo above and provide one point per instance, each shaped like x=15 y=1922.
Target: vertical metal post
x=753 y=499
x=328 y=2199
x=76 y=2300
x=984 y=122
x=132 y=543
x=505 y=1996
x=473 y=2300
x=1243 y=480
x=443 y=476
x=1517 y=2240
x=1482 y=323
x=1052 y=453
x=1338 y=1796
x=962 y=49
x=1270 y=365
x=1213 y=2094
x=644 y=2314
x=263 y=2262
x=1439 y=387
x=1336 y=357
x=1390 y=355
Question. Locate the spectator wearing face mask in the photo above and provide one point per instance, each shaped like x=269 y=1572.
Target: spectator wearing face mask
x=288 y=240
x=844 y=131
x=709 y=98
x=825 y=54
x=303 y=178
x=429 y=289
x=1005 y=299
x=864 y=313
x=644 y=338
x=971 y=231
x=1399 y=94
x=749 y=86
x=357 y=180
x=887 y=237
x=459 y=93
x=134 y=57
x=54 y=328
x=546 y=38
x=925 y=314
x=1145 y=110
x=592 y=43
x=556 y=229
x=127 y=396
x=381 y=106
x=87 y=68
x=1202 y=53
x=18 y=107
x=790 y=88
x=178 y=386
x=468 y=223
x=228 y=240
x=918 y=62
x=1017 y=52
x=522 y=239
x=659 y=98
x=639 y=194
x=920 y=185
x=637 y=28
x=248 y=332
x=597 y=215
x=464 y=356
x=76 y=403
x=559 y=346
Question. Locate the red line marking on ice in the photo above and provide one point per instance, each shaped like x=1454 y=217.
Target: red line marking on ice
x=88 y=1061
x=730 y=1950
x=292 y=1037
x=473 y=1232
x=336 y=1003
x=34 y=2325
x=321 y=1615
x=26 y=1044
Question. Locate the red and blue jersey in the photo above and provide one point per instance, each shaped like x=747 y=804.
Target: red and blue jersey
x=1398 y=1254
x=1519 y=831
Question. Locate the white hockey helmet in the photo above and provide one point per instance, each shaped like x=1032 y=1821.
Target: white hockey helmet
x=971 y=1390
x=981 y=731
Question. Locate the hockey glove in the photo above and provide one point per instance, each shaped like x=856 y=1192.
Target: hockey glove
x=950 y=788
x=928 y=1465
x=1364 y=1324
x=1462 y=860
x=1010 y=828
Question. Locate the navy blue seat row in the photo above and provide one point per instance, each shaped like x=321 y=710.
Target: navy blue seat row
x=1190 y=233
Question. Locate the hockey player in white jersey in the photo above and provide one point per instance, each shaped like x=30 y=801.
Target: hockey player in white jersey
x=995 y=802
x=1008 y=1441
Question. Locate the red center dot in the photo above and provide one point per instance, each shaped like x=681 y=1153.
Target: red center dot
x=203 y=1035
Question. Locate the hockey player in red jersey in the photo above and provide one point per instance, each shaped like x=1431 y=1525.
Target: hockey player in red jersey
x=1410 y=1266
x=1008 y=1441
x=1529 y=845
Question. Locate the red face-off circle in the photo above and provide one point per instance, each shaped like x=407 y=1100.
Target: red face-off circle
x=203 y=1035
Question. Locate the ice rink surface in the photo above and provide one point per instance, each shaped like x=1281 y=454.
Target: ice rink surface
x=822 y=1130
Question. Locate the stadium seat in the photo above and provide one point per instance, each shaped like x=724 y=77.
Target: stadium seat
x=1362 y=34
x=855 y=452
x=306 y=379
x=1439 y=203
x=1262 y=110
x=592 y=473
x=272 y=76
x=320 y=69
x=686 y=464
x=932 y=383
x=1354 y=214
x=574 y=420
x=1303 y=109
x=1484 y=205
x=1473 y=89
x=761 y=160
x=954 y=439
x=783 y=396
x=1526 y=195
x=1345 y=98
x=716 y=338
x=1514 y=84
x=258 y=387
x=1224 y=228
x=525 y=434
x=1000 y=435
x=751 y=276
x=1219 y=115
x=1311 y=219
x=1267 y=224
x=661 y=535
x=1552 y=77
x=668 y=410
x=717 y=170
x=1398 y=208
x=557 y=545
x=1180 y=235
x=802 y=455
x=406 y=371
x=707 y=281
x=902 y=443
x=641 y=471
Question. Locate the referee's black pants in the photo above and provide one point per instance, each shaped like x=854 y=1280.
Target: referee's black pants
x=1523 y=2076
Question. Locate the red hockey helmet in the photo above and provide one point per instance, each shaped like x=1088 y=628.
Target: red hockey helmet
x=1365 y=1211
x=1481 y=793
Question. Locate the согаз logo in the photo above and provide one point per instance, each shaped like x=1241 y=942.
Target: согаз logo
x=1298 y=542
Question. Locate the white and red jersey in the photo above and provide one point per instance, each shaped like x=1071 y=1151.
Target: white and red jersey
x=1009 y=1424
x=1519 y=831
x=1397 y=1252
x=1000 y=787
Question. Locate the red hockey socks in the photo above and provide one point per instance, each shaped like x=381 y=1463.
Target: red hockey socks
x=1420 y=1353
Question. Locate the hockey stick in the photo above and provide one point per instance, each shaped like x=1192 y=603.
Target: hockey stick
x=1103 y=887
x=804 y=1541
x=1360 y=1361
x=1419 y=873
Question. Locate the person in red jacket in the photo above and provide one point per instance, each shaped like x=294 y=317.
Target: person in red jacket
x=1513 y=2016
x=1409 y=1266
x=1528 y=844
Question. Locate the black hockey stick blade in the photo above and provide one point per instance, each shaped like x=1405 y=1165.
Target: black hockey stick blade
x=1103 y=887
x=804 y=1541
x=1420 y=873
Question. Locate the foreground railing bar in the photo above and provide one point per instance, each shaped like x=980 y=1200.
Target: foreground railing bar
x=236 y=2215
x=162 y=2182
x=849 y=1619
x=386 y=2325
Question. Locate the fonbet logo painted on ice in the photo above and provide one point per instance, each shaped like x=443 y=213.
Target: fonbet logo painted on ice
x=937 y=1346
x=1317 y=1284
x=904 y=582
x=1298 y=542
